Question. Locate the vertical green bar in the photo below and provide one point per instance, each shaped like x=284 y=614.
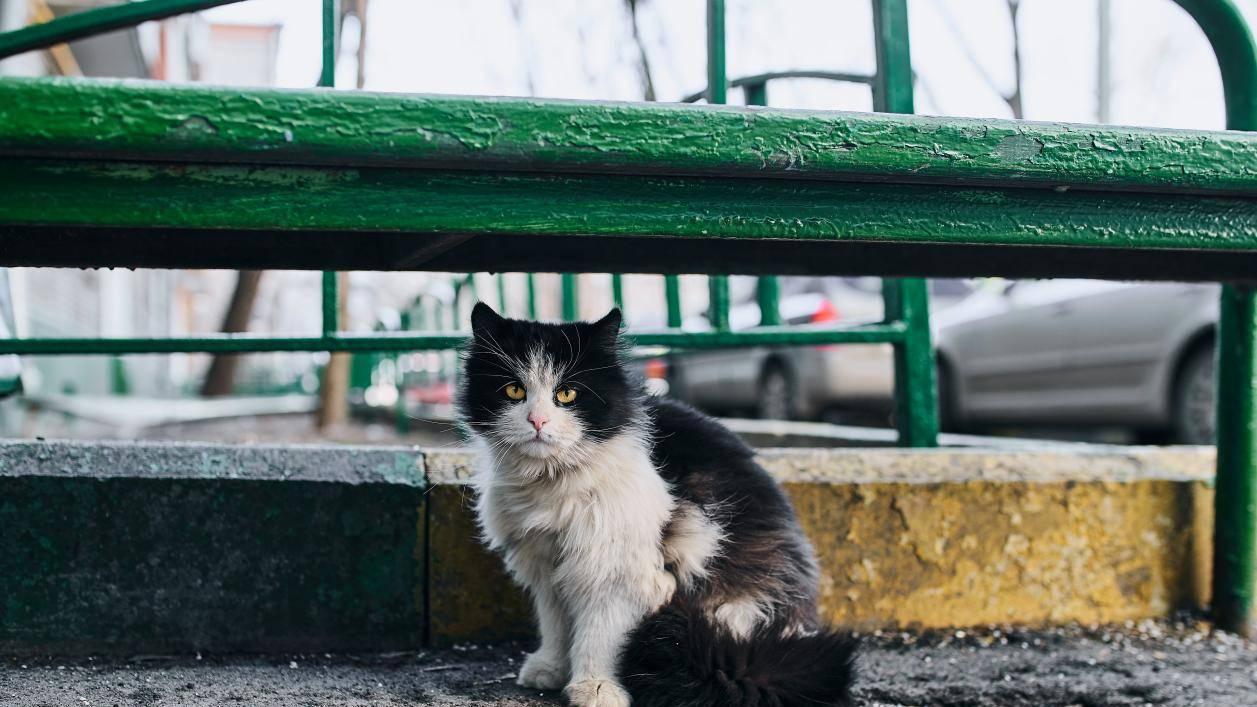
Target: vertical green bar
x=717 y=93
x=756 y=93
x=672 y=295
x=767 y=288
x=331 y=304
x=617 y=291
x=502 y=293
x=571 y=302
x=717 y=80
x=768 y=294
x=531 y=281
x=327 y=78
x=1235 y=531
x=907 y=300
x=1235 y=502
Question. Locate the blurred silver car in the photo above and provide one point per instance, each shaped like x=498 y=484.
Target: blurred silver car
x=800 y=382
x=1082 y=353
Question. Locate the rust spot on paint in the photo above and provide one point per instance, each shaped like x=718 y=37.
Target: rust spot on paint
x=194 y=126
x=1018 y=148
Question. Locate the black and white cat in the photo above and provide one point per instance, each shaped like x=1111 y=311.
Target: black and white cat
x=664 y=564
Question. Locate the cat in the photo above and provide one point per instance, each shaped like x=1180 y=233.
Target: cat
x=665 y=566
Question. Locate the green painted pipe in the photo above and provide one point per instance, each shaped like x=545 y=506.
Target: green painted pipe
x=906 y=300
x=63 y=118
x=767 y=288
x=717 y=94
x=531 y=281
x=570 y=295
x=672 y=298
x=327 y=79
x=617 y=295
x=452 y=339
x=1235 y=505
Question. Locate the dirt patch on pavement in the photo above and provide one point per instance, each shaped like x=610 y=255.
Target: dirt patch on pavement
x=1174 y=664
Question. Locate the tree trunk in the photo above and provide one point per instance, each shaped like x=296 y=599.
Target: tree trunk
x=334 y=387
x=221 y=376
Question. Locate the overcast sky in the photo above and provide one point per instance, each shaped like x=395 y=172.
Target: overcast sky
x=1164 y=73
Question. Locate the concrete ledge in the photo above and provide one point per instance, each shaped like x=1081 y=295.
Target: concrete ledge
x=123 y=547
x=173 y=548
x=931 y=538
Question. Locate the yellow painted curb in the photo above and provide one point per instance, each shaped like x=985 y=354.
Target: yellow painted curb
x=924 y=539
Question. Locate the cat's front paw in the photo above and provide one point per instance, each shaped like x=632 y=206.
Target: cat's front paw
x=542 y=671
x=597 y=693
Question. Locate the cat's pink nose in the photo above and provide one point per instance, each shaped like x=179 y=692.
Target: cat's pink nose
x=538 y=420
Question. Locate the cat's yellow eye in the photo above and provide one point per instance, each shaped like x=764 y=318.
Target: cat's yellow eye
x=565 y=395
x=515 y=392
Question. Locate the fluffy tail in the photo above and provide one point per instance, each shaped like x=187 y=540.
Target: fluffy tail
x=678 y=658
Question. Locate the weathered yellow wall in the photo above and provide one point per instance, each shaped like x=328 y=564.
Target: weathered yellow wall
x=925 y=539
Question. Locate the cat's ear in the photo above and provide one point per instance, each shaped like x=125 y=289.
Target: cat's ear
x=607 y=329
x=485 y=323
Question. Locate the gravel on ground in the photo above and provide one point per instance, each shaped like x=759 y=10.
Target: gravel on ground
x=1152 y=663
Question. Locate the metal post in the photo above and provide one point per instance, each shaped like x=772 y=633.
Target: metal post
x=768 y=294
x=717 y=93
x=570 y=296
x=672 y=294
x=501 y=293
x=530 y=279
x=1235 y=533
x=907 y=299
x=327 y=79
x=1235 y=504
x=756 y=93
x=617 y=292
x=767 y=288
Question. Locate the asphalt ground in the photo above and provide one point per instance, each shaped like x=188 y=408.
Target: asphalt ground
x=1153 y=663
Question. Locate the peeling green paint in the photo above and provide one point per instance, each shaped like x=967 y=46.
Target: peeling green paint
x=144 y=195
x=120 y=119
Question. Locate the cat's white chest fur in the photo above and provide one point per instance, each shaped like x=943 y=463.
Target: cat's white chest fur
x=610 y=510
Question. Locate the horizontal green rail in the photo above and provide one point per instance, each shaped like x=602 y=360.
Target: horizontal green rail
x=156 y=196
x=151 y=121
x=386 y=341
x=758 y=81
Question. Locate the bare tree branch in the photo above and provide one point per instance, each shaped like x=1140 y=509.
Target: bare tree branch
x=648 y=80
x=1012 y=98
x=517 y=13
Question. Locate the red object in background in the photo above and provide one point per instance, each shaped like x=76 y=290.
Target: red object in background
x=826 y=312
x=656 y=368
x=440 y=393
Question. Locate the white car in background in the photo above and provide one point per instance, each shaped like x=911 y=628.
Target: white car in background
x=1082 y=353
x=839 y=382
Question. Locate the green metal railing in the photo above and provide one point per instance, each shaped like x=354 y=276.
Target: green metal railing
x=906 y=325
x=285 y=178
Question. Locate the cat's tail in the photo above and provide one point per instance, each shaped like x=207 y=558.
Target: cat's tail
x=679 y=658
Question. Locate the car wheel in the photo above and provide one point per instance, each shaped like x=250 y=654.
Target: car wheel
x=776 y=396
x=1195 y=399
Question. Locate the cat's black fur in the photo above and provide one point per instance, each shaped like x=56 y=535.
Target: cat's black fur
x=680 y=656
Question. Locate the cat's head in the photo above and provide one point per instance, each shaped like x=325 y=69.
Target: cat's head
x=546 y=392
